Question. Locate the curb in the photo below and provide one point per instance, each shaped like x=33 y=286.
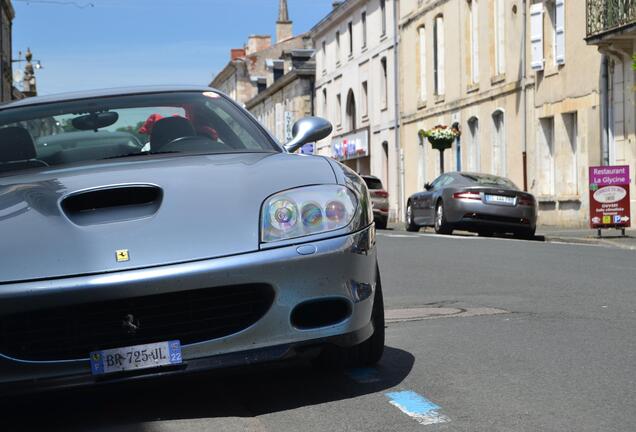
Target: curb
x=590 y=241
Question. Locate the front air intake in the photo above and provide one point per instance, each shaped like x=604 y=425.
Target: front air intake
x=320 y=313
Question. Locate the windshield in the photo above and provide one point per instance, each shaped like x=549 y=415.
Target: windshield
x=125 y=126
x=490 y=180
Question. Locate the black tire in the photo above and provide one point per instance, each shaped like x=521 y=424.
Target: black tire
x=411 y=226
x=381 y=223
x=526 y=235
x=441 y=225
x=366 y=353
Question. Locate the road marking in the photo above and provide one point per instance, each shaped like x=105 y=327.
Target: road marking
x=363 y=375
x=417 y=407
x=422 y=313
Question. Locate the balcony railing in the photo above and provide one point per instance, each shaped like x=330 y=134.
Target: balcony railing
x=604 y=16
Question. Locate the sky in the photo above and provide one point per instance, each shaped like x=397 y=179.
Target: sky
x=116 y=43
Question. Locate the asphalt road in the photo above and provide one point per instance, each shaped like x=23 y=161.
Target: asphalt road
x=560 y=355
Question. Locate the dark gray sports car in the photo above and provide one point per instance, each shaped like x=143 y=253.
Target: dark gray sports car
x=482 y=203
x=155 y=231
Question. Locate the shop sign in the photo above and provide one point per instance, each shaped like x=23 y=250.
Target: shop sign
x=609 y=197
x=351 y=146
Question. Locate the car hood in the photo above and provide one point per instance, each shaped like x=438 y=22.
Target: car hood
x=206 y=207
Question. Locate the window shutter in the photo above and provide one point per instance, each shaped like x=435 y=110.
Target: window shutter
x=501 y=36
x=440 y=55
x=474 y=38
x=560 y=32
x=422 y=37
x=536 y=36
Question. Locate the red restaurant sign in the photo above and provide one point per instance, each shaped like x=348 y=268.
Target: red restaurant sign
x=609 y=197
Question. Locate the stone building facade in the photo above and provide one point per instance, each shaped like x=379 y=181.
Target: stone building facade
x=519 y=80
x=611 y=27
x=289 y=97
x=7 y=14
x=250 y=68
x=356 y=89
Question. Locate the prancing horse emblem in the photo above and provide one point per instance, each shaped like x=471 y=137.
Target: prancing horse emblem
x=130 y=324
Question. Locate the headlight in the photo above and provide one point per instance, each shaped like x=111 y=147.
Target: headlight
x=308 y=210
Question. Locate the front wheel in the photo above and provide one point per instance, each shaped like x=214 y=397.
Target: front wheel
x=411 y=226
x=441 y=224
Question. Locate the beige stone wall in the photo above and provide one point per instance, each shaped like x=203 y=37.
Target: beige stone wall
x=295 y=98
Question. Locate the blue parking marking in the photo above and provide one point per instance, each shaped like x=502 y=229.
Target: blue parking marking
x=417 y=407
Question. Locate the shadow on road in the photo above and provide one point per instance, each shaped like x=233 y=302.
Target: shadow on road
x=251 y=393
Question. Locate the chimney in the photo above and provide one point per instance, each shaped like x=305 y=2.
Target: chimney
x=236 y=53
x=283 y=25
x=256 y=43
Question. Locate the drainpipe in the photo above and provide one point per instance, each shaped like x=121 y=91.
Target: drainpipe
x=524 y=78
x=605 y=110
x=396 y=92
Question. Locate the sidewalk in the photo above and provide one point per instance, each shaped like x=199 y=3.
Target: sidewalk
x=610 y=238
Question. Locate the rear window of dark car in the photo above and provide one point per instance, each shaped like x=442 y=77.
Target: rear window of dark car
x=373 y=183
x=117 y=127
x=490 y=180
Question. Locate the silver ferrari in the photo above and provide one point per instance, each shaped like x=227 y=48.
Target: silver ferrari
x=482 y=203
x=155 y=231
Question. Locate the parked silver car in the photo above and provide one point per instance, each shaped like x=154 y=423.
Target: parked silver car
x=481 y=203
x=379 y=199
x=156 y=231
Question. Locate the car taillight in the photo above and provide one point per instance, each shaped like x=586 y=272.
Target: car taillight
x=467 y=195
x=380 y=193
x=525 y=201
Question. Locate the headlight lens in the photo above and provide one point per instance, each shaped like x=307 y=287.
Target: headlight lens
x=306 y=211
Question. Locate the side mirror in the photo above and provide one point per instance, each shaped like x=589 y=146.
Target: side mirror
x=428 y=186
x=306 y=130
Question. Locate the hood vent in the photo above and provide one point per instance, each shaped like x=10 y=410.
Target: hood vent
x=112 y=204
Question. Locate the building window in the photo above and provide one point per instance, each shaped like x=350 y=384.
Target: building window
x=499 y=144
x=438 y=55
x=364 y=29
x=352 y=120
x=325 y=104
x=500 y=37
x=338 y=47
x=556 y=16
x=365 y=99
x=545 y=155
x=338 y=110
x=474 y=41
x=383 y=15
x=474 y=155
x=422 y=45
x=324 y=57
x=570 y=161
x=384 y=84
x=350 y=28
x=536 y=36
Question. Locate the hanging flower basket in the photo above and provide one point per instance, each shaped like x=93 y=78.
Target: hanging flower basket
x=440 y=137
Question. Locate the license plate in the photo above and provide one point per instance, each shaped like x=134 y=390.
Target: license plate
x=500 y=199
x=136 y=357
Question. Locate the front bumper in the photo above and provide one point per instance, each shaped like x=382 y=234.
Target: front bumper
x=296 y=277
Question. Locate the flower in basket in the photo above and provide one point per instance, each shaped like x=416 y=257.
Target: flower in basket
x=441 y=137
